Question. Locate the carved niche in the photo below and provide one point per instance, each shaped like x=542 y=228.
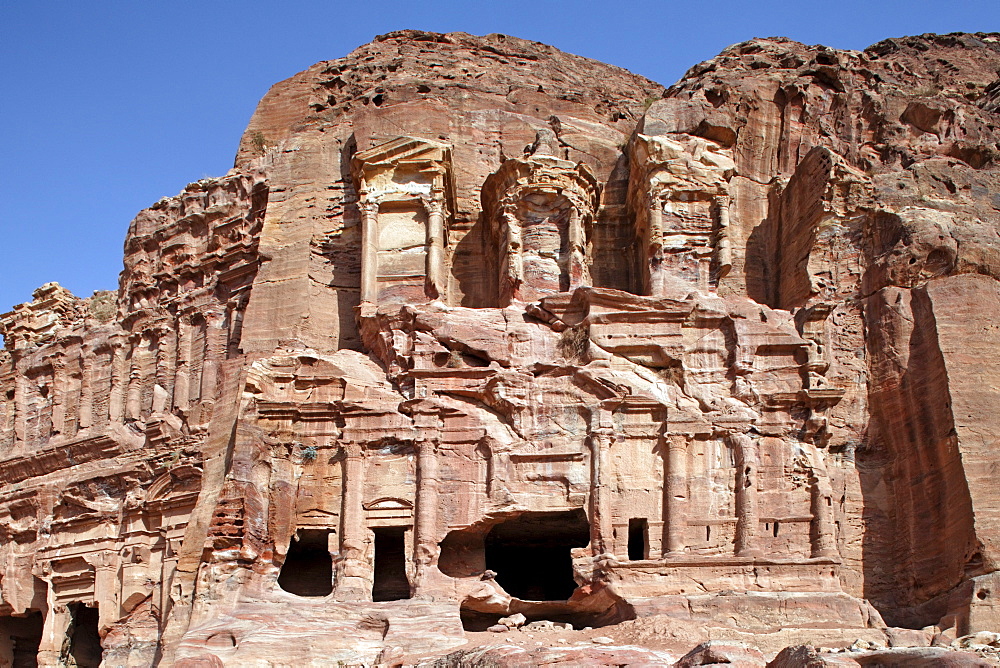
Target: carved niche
x=403 y=193
x=539 y=209
x=679 y=195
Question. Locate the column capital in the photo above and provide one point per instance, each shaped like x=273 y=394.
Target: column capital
x=433 y=205
x=102 y=561
x=368 y=206
x=676 y=439
x=739 y=438
x=426 y=445
x=352 y=450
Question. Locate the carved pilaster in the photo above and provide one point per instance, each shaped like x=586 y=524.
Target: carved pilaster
x=354 y=571
x=601 y=439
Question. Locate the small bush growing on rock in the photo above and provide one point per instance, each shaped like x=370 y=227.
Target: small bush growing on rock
x=573 y=342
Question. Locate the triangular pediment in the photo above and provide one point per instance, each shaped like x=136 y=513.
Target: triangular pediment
x=404 y=149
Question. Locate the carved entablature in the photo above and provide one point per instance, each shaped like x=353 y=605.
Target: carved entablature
x=404 y=193
x=539 y=209
x=679 y=195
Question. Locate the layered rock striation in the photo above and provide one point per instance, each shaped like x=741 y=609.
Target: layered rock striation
x=477 y=331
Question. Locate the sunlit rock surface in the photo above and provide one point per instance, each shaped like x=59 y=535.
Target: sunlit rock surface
x=488 y=354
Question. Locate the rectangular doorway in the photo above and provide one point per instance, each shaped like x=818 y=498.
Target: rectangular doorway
x=390 y=582
x=638 y=539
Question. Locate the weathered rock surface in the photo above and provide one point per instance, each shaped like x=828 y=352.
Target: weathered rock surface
x=477 y=331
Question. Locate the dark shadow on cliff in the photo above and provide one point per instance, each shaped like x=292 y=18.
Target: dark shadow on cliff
x=761 y=262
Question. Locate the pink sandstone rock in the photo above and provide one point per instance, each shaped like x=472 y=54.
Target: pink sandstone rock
x=477 y=329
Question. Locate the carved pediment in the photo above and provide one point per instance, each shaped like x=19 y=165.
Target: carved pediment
x=407 y=149
x=389 y=504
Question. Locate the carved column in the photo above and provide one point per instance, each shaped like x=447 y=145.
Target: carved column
x=106 y=588
x=133 y=397
x=216 y=336
x=600 y=500
x=354 y=576
x=654 y=245
x=747 y=482
x=436 y=280
x=59 y=395
x=577 y=265
x=675 y=487
x=723 y=246
x=119 y=381
x=425 y=546
x=166 y=357
x=823 y=529
x=369 y=250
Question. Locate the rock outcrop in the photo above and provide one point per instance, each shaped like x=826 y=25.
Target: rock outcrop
x=482 y=335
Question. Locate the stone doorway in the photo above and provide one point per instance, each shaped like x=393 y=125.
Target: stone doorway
x=84 y=640
x=19 y=640
x=308 y=568
x=390 y=582
x=638 y=538
x=530 y=553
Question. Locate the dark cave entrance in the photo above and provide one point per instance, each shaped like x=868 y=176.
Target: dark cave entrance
x=530 y=553
x=638 y=539
x=308 y=568
x=84 y=639
x=20 y=638
x=390 y=582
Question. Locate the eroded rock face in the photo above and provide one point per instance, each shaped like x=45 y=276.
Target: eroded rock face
x=479 y=330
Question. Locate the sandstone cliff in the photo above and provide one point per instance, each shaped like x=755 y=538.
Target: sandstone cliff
x=477 y=331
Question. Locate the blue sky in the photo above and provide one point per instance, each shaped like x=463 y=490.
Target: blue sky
x=108 y=106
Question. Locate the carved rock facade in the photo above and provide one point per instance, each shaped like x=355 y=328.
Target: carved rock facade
x=476 y=328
